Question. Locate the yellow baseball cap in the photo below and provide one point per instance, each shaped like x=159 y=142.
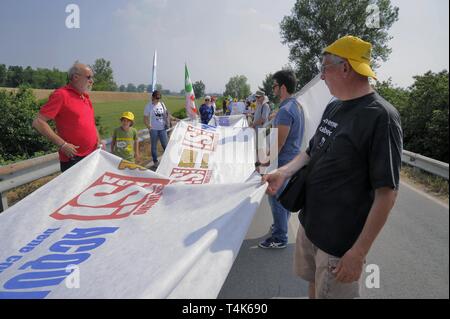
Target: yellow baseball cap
x=356 y=51
x=128 y=116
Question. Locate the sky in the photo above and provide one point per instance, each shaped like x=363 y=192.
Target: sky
x=217 y=39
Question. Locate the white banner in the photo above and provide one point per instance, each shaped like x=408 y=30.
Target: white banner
x=107 y=228
x=202 y=154
x=229 y=121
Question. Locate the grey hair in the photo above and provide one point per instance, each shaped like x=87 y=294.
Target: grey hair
x=75 y=69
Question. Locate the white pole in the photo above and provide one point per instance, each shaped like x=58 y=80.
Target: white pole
x=154 y=72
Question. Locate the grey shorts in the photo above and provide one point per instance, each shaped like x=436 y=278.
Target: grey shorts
x=316 y=266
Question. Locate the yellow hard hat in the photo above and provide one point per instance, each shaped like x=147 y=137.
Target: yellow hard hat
x=356 y=51
x=128 y=116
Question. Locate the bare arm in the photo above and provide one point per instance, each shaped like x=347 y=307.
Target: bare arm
x=384 y=201
x=350 y=266
x=277 y=178
x=41 y=125
x=147 y=121
x=258 y=122
x=283 y=132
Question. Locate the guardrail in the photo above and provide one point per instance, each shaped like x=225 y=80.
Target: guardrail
x=24 y=172
x=427 y=164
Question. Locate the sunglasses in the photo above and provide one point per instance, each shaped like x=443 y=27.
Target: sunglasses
x=89 y=77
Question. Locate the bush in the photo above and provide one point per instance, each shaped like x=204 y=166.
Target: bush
x=18 y=139
x=180 y=114
x=423 y=109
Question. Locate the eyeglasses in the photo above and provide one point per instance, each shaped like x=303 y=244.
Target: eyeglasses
x=89 y=77
x=324 y=66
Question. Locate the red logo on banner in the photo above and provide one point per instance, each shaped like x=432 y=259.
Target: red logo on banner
x=200 y=139
x=113 y=196
x=190 y=176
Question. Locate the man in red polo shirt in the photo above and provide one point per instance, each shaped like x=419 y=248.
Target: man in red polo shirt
x=71 y=109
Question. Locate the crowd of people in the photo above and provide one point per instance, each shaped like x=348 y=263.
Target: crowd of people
x=354 y=158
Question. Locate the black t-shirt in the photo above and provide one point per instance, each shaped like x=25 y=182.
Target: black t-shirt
x=365 y=154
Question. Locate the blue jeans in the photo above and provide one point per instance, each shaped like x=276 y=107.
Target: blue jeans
x=154 y=136
x=280 y=217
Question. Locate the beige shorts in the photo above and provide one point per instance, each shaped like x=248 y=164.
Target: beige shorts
x=315 y=266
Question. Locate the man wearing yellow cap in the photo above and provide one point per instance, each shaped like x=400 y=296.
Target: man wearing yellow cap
x=353 y=176
x=125 y=142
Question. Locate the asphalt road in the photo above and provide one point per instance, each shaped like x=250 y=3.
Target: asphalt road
x=411 y=252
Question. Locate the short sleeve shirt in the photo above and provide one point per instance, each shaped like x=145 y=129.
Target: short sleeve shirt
x=124 y=141
x=74 y=118
x=290 y=114
x=364 y=155
x=262 y=112
x=157 y=114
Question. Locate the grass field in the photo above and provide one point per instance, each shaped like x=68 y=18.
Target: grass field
x=110 y=106
x=110 y=112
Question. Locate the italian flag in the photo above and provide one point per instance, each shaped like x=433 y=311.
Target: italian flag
x=191 y=110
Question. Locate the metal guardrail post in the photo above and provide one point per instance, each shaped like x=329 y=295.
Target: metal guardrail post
x=427 y=164
x=3 y=202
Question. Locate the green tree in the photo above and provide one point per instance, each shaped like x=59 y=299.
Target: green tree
x=267 y=88
x=199 y=88
x=141 y=88
x=18 y=139
x=425 y=119
x=28 y=75
x=122 y=88
x=237 y=87
x=398 y=97
x=158 y=87
x=131 y=87
x=103 y=74
x=14 y=76
x=3 y=73
x=314 y=24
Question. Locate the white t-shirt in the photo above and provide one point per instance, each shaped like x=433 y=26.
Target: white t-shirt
x=157 y=114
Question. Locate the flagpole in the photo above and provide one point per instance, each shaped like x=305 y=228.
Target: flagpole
x=154 y=72
x=191 y=110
